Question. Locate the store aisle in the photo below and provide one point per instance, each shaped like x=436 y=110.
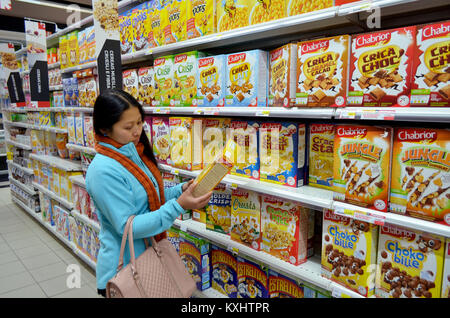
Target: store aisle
x=33 y=263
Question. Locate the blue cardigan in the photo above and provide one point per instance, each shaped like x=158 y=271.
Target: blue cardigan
x=117 y=195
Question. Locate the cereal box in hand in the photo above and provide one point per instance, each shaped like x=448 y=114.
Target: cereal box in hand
x=381 y=68
x=349 y=252
x=410 y=263
x=321 y=152
x=211 y=81
x=232 y=14
x=247 y=79
x=252 y=279
x=160 y=139
x=218 y=210
x=322 y=72
x=281 y=286
x=431 y=83
x=246 y=218
x=420 y=185
x=224 y=271
x=361 y=165
x=185 y=78
x=201 y=18
x=284 y=229
x=146 y=87
x=164 y=81
x=282 y=75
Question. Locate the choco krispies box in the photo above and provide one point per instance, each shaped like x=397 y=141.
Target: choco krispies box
x=381 y=68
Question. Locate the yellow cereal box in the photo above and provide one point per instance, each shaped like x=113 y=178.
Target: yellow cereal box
x=201 y=18
x=266 y=10
x=73 y=53
x=361 y=165
x=185 y=76
x=126 y=33
x=164 y=81
x=140 y=26
x=214 y=137
x=295 y=7
x=246 y=218
x=445 y=293
x=284 y=229
x=349 y=252
x=177 y=20
x=218 y=210
x=82 y=46
x=321 y=148
x=420 y=185
x=410 y=263
x=282 y=75
x=90 y=44
x=156 y=30
x=232 y=14
x=63 y=56
x=186 y=143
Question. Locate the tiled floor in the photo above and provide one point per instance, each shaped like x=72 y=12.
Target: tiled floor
x=33 y=263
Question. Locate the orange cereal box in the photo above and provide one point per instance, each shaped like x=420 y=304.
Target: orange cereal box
x=361 y=165
x=420 y=185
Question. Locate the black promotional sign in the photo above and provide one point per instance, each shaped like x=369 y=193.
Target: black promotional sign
x=39 y=84
x=9 y=73
x=15 y=90
x=109 y=65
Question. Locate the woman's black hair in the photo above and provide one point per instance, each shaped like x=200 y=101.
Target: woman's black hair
x=109 y=107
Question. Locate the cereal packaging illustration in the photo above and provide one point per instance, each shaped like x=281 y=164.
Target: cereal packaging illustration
x=420 y=185
x=131 y=82
x=185 y=78
x=224 y=271
x=246 y=218
x=281 y=286
x=263 y=11
x=146 y=87
x=322 y=72
x=445 y=293
x=252 y=279
x=284 y=229
x=282 y=75
x=161 y=139
x=321 y=152
x=211 y=81
x=139 y=16
x=349 y=252
x=232 y=14
x=295 y=7
x=194 y=252
x=175 y=30
x=156 y=31
x=214 y=137
x=218 y=210
x=246 y=160
x=126 y=33
x=361 y=165
x=164 y=81
x=282 y=151
x=431 y=83
x=185 y=143
x=201 y=18
x=247 y=79
x=410 y=263
x=173 y=236
x=381 y=68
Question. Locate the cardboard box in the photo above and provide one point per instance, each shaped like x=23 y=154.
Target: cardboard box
x=281 y=286
x=214 y=138
x=186 y=143
x=126 y=33
x=224 y=271
x=282 y=75
x=261 y=11
x=211 y=81
x=218 y=210
x=321 y=152
x=164 y=79
x=185 y=75
x=445 y=292
x=131 y=82
x=252 y=279
x=232 y=14
x=160 y=139
x=156 y=33
x=141 y=28
x=295 y=7
x=201 y=18
x=146 y=87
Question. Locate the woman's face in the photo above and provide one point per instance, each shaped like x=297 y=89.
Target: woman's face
x=128 y=128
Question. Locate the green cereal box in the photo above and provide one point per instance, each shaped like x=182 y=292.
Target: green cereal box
x=185 y=78
x=164 y=81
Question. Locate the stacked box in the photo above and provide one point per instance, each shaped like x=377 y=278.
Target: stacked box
x=146 y=87
x=224 y=271
x=218 y=210
x=201 y=18
x=252 y=279
x=282 y=75
x=156 y=32
x=185 y=76
x=281 y=286
x=164 y=80
x=321 y=147
x=186 y=142
x=232 y=15
x=211 y=81
x=160 y=139
x=140 y=25
x=214 y=138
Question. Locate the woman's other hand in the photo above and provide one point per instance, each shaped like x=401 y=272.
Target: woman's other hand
x=189 y=202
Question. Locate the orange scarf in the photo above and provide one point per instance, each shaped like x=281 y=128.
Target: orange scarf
x=154 y=201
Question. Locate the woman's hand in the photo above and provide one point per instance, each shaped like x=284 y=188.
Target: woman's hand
x=186 y=185
x=187 y=200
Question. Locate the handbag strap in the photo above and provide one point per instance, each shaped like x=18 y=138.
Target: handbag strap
x=124 y=240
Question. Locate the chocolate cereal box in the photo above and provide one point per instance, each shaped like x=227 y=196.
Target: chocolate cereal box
x=361 y=165
x=410 y=263
x=186 y=143
x=185 y=76
x=349 y=252
x=431 y=84
x=445 y=293
x=164 y=81
x=194 y=252
x=252 y=279
x=247 y=79
x=381 y=68
x=218 y=210
x=281 y=286
x=322 y=72
x=161 y=139
x=284 y=229
x=224 y=271
x=420 y=185
x=282 y=75
x=282 y=152
x=246 y=218
x=321 y=151
x=211 y=81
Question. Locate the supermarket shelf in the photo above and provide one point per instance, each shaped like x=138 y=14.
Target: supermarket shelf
x=209 y=293
x=415 y=114
x=314 y=198
x=54 y=65
x=64 y=164
x=78 y=67
x=37 y=127
x=78 y=180
x=24 y=187
x=86 y=220
x=18 y=144
x=81 y=148
x=53 y=195
x=24 y=169
x=309 y=272
x=56 y=88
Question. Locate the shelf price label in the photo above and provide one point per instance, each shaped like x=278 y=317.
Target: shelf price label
x=211 y=111
x=161 y=111
x=340 y=292
x=263 y=113
x=361 y=215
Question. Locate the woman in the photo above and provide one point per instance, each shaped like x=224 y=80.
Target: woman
x=123 y=180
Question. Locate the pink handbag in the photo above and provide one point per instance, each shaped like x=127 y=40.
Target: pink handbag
x=158 y=272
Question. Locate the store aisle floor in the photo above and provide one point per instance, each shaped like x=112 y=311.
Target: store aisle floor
x=33 y=263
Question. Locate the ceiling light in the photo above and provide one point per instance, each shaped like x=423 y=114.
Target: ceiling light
x=70 y=8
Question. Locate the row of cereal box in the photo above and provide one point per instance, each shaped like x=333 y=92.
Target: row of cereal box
x=335 y=71
x=234 y=276
x=77 y=47
x=31 y=201
x=80 y=129
x=80 y=92
x=47 y=119
x=386 y=261
x=83 y=203
x=192 y=143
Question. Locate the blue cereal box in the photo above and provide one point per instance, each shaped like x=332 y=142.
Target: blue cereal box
x=282 y=153
x=252 y=280
x=281 y=286
x=194 y=253
x=224 y=271
x=247 y=79
x=211 y=81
